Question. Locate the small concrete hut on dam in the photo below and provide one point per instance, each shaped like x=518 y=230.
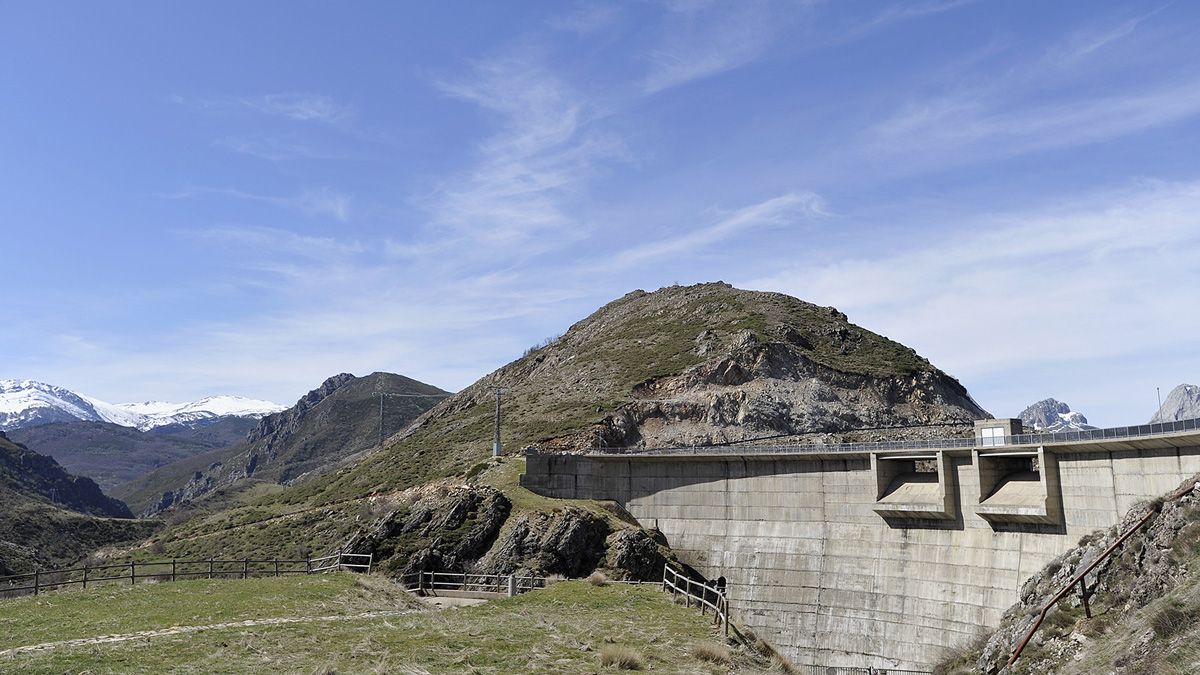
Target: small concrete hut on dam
x=881 y=554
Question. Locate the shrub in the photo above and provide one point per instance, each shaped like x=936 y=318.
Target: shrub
x=621 y=657
x=598 y=579
x=1169 y=620
x=707 y=651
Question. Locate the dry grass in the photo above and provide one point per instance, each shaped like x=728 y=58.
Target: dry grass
x=779 y=662
x=598 y=579
x=624 y=658
x=707 y=651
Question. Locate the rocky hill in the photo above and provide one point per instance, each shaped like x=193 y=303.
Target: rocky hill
x=682 y=365
x=326 y=427
x=113 y=455
x=1051 y=415
x=49 y=517
x=1182 y=403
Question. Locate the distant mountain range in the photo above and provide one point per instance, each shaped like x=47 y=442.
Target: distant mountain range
x=1051 y=415
x=27 y=403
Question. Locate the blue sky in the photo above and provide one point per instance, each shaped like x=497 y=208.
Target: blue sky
x=248 y=197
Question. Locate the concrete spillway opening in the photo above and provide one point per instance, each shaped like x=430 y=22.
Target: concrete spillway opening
x=1018 y=487
x=912 y=486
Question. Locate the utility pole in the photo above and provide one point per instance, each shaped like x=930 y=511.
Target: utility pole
x=497 y=450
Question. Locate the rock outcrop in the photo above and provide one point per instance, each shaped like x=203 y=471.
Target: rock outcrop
x=471 y=528
x=1182 y=403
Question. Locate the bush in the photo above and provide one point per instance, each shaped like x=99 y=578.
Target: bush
x=707 y=651
x=598 y=579
x=1170 y=619
x=621 y=657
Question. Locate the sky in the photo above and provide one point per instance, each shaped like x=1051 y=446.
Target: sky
x=245 y=198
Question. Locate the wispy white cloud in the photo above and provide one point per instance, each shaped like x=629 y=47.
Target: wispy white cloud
x=538 y=160
x=586 y=18
x=1036 y=104
x=300 y=107
x=784 y=210
x=274 y=149
x=315 y=203
x=706 y=39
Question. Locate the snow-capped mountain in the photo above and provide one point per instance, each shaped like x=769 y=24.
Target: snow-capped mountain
x=1183 y=403
x=1051 y=415
x=26 y=403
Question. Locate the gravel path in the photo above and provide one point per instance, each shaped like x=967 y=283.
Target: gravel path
x=180 y=630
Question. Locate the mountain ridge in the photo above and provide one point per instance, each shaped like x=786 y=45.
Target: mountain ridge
x=25 y=403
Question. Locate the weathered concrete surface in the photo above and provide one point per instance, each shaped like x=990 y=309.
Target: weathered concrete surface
x=815 y=569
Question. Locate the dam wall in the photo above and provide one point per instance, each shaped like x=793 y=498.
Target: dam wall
x=880 y=559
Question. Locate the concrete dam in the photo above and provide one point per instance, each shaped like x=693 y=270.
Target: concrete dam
x=881 y=555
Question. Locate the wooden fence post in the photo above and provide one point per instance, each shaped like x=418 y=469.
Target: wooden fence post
x=246 y=568
x=37 y=580
x=172 y=570
x=210 y=568
x=132 y=573
x=276 y=566
x=85 y=575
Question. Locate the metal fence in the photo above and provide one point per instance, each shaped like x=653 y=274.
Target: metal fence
x=1035 y=439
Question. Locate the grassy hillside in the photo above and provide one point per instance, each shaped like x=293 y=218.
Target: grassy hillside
x=566 y=628
x=564 y=387
x=328 y=426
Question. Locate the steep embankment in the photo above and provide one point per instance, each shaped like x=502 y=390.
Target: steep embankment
x=698 y=364
x=1144 y=601
x=49 y=517
x=112 y=454
x=324 y=428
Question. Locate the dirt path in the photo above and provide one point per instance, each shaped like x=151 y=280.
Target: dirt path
x=180 y=630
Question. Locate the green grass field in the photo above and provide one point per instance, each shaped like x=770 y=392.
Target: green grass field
x=561 y=629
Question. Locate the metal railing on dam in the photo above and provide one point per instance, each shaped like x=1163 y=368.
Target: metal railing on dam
x=1142 y=431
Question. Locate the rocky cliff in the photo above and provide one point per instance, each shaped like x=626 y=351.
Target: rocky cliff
x=1182 y=403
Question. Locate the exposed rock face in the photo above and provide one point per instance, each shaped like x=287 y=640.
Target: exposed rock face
x=1052 y=415
x=1183 y=403
x=277 y=428
x=27 y=472
x=1149 y=564
x=471 y=529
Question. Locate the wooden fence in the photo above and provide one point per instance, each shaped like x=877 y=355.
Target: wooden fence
x=429 y=583
x=707 y=595
x=41 y=581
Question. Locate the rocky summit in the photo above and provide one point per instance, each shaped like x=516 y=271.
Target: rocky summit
x=708 y=364
x=1052 y=415
x=1182 y=403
